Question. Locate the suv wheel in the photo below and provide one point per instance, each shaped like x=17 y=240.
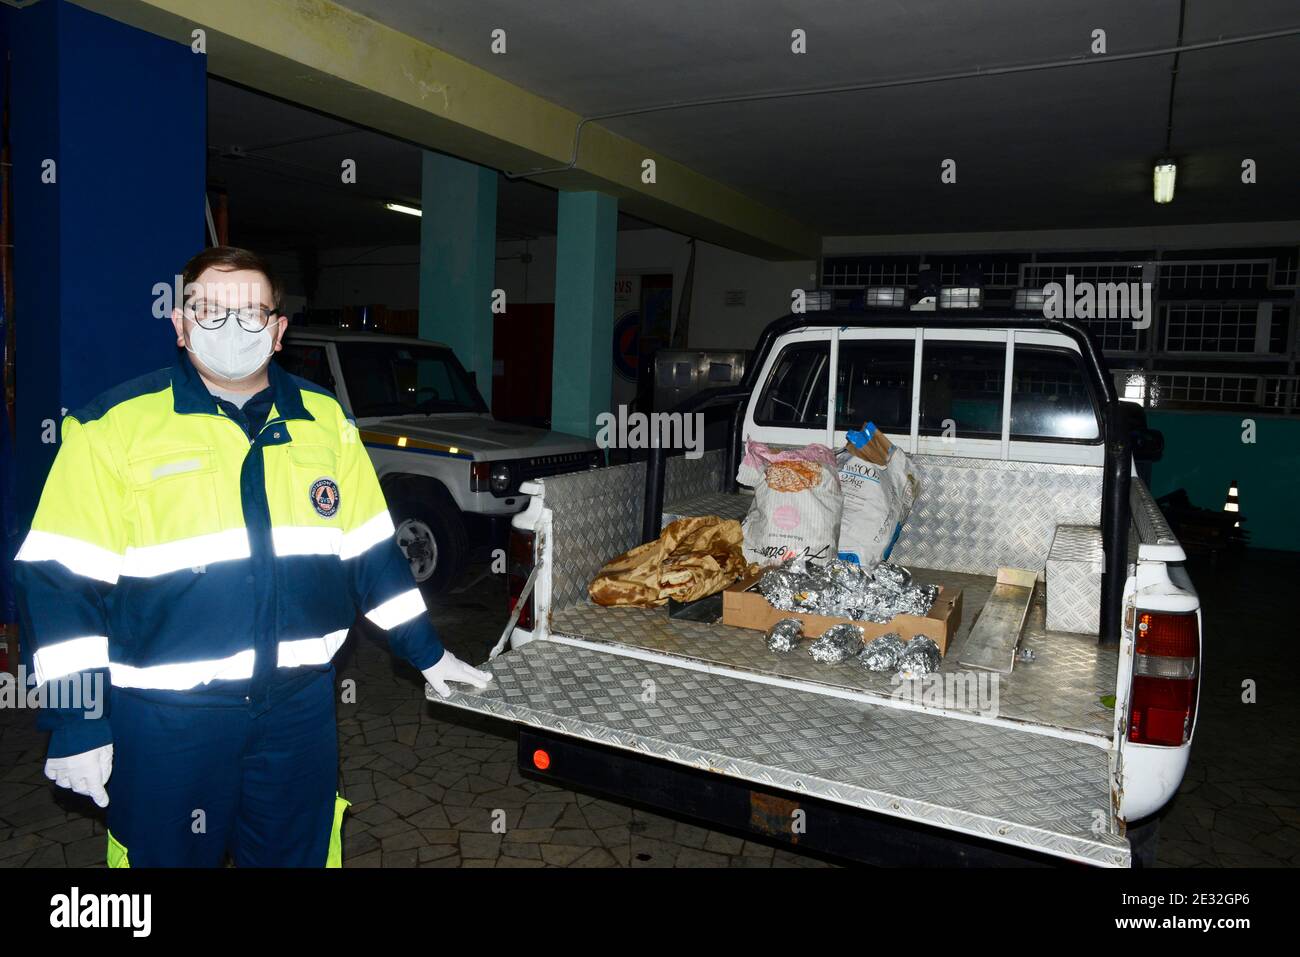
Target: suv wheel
x=416 y=540
x=431 y=534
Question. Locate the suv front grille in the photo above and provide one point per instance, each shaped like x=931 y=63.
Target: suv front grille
x=541 y=465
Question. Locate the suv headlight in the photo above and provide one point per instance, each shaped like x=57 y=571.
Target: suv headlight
x=500 y=476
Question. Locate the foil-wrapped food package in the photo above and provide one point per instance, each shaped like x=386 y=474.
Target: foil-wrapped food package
x=837 y=643
x=882 y=653
x=785 y=635
x=917 y=600
x=841 y=589
x=921 y=657
x=891 y=575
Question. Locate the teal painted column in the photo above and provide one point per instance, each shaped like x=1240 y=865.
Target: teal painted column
x=458 y=248
x=583 y=366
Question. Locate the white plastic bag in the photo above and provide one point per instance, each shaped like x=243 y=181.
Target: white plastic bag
x=877 y=501
x=796 y=507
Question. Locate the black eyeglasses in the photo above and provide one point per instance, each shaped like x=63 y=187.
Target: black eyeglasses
x=213 y=315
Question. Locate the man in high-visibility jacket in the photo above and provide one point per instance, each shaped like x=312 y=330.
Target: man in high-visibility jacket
x=204 y=541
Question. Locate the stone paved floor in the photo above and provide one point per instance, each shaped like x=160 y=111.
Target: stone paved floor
x=427 y=782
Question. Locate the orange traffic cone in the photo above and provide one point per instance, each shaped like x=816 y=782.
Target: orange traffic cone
x=1230 y=503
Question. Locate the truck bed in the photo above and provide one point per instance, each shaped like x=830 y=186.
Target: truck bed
x=1036 y=792
x=1060 y=689
x=1037 y=771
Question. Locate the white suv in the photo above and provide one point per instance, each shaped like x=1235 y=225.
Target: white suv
x=450 y=471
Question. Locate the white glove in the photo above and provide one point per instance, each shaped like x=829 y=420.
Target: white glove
x=451 y=668
x=84 y=773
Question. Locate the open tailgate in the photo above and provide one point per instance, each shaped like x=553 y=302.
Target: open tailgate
x=1035 y=791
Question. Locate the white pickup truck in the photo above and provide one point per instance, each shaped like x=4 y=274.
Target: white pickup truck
x=1016 y=433
x=450 y=471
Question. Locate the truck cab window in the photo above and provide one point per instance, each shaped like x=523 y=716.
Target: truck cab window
x=961 y=388
x=875 y=384
x=1050 y=397
x=310 y=362
x=795 y=391
x=396 y=378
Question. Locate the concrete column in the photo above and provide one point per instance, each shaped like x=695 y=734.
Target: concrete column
x=109 y=147
x=582 y=368
x=458 y=236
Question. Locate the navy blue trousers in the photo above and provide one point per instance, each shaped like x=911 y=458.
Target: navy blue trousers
x=191 y=782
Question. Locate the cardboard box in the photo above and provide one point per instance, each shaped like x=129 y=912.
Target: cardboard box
x=749 y=609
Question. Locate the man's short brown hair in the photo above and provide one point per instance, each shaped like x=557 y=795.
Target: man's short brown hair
x=229 y=259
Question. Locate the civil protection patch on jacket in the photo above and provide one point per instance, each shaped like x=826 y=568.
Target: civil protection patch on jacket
x=325 y=497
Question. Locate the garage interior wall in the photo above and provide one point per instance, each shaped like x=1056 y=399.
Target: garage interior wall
x=714 y=325
x=1204 y=454
x=352 y=276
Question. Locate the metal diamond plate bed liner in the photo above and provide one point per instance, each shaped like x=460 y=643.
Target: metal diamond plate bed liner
x=1035 y=792
x=1061 y=688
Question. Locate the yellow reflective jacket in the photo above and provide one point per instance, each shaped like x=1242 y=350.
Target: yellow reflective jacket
x=187 y=560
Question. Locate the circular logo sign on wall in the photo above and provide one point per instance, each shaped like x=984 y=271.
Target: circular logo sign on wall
x=627 y=334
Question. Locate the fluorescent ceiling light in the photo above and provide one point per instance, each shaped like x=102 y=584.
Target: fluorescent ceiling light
x=1162 y=180
x=399 y=208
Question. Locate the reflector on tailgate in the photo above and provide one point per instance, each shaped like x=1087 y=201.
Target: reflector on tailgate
x=1020 y=788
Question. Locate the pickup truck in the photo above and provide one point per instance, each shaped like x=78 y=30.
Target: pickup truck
x=450 y=471
x=1015 y=432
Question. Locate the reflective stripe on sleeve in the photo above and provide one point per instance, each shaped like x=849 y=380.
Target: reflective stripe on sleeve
x=68 y=657
x=399 y=609
x=366 y=535
x=151 y=561
x=75 y=554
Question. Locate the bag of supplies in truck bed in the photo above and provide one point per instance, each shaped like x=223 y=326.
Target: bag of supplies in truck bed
x=879 y=487
x=797 y=503
x=691 y=558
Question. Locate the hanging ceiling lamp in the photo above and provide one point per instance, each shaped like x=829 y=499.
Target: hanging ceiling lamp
x=1162 y=180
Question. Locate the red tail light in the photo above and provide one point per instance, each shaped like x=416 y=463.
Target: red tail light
x=1166 y=674
x=519 y=562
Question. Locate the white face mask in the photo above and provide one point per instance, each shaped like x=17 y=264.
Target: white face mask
x=230 y=351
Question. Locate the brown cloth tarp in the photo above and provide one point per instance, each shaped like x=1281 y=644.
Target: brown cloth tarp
x=691 y=558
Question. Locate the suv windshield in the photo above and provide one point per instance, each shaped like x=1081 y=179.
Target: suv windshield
x=398 y=378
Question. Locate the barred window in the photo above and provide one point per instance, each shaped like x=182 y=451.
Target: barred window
x=1222 y=275
x=850 y=271
x=1210 y=327
x=1201 y=389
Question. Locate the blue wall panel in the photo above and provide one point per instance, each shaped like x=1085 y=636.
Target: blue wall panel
x=122 y=113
